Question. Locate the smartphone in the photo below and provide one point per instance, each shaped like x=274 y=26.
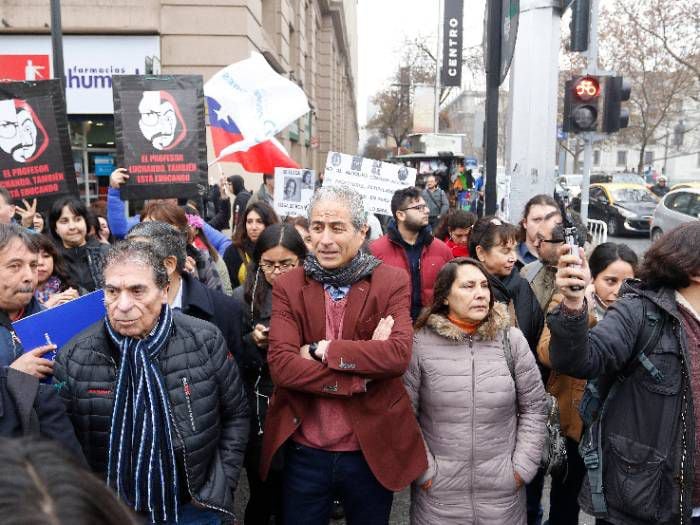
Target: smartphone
x=570 y=236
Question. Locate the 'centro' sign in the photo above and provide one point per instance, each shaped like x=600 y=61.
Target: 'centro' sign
x=452 y=43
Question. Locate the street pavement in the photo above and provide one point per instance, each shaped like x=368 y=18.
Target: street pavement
x=399 y=513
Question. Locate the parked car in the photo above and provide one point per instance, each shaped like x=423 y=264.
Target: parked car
x=675 y=208
x=617 y=178
x=685 y=185
x=570 y=183
x=625 y=208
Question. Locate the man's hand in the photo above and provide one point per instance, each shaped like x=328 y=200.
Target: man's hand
x=33 y=364
x=118 y=177
x=321 y=350
x=191 y=265
x=260 y=335
x=572 y=271
x=61 y=298
x=27 y=213
x=383 y=330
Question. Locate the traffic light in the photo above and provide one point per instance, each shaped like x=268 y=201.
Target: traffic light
x=615 y=117
x=580 y=21
x=581 y=99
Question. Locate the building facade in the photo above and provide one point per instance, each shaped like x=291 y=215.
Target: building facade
x=313 y=42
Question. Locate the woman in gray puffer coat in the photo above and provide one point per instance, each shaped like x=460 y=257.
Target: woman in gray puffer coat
x=483 y=430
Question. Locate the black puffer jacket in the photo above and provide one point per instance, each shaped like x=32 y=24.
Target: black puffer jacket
x=211 y=422
x=643 y=426
x=85 y=264
x=527 y=310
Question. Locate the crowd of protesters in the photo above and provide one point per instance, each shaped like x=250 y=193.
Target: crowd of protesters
x=339 y=363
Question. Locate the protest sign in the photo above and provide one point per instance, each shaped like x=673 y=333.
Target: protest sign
x=293 y=191
x=161 y=140
x=375 y=180
x=50 y=326
x=35 y=154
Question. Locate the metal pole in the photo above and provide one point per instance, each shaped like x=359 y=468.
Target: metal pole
x=493 y=73
x=436 y=110
x=57 y=41
x=592 y=68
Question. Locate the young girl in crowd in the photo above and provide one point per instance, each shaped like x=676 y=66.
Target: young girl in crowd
x=83 y=254
x=254 y=220
x=278 y=250
x=53 y=285
x=482 y=421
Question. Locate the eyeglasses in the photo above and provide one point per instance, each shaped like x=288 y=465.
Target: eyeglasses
x=282 y=266
x=417 y=207
x=551 y=241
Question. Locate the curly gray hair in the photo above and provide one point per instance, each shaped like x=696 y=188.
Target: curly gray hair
x=345 y=194
x=138 y=252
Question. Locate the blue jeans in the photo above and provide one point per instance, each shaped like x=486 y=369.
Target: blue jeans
x=191 y=515
x=313 y=478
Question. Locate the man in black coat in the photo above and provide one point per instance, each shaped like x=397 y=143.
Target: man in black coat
x=185 y=292
x=155 y=397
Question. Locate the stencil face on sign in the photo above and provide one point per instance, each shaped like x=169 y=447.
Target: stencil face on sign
x=161 y=122
x=22 y=135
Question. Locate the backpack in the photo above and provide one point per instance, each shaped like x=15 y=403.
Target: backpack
x=554 y=451
x=601 y=391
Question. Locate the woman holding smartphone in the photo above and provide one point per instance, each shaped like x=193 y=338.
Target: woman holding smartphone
x=278 y=250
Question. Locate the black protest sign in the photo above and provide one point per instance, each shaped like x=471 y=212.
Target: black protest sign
x=35 y=154
x=161 y=141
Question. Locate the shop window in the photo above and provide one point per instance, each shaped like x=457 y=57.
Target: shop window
x=622 y=158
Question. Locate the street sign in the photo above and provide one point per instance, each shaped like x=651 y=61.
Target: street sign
x=453 y=25
x=510 y=15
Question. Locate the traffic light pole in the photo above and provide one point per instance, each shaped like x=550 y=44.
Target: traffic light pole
x=591 y=69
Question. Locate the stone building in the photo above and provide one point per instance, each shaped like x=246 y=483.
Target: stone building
x=313 y=42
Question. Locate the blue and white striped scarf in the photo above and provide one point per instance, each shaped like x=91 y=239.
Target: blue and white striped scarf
x=141 y=463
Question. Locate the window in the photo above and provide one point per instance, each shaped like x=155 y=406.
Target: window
x=648 y=157
x=680 y=202
x=622 y=158
x=597 y=195
x=694 y=207
x=596 y=157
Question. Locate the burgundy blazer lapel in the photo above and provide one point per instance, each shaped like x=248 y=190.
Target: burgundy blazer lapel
x=356 y=303
x=314 y=311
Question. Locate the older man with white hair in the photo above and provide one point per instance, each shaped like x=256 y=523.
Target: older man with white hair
x=340 y=342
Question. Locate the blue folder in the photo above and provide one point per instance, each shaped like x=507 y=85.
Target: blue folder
x=59 y=324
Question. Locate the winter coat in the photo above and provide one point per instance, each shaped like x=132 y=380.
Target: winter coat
x=365 y=374
x=435 y=254
x=568 y=390
x=458 y=250
x=479 y=426
x=262 y=195
x=648 y=430
x=85 y=264
x=208 y=404
x=10 y=345
x=437 y=202
x=215 y=307
x=51 y=420
x=528 y=312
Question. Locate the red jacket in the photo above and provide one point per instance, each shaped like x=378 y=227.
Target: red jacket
x=433 y=257
x=380 y=411
x=458 y=250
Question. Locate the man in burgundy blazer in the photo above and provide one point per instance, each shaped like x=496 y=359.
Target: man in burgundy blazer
x=340 y=341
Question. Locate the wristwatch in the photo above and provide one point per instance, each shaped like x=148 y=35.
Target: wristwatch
x=313 y=347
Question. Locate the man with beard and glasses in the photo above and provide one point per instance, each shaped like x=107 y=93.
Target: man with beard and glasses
x=19 y=258
x=409 y=244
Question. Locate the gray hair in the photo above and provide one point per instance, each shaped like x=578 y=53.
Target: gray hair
x=166 y=239
x=352 y=199
x=138 y=252
x=11 y=231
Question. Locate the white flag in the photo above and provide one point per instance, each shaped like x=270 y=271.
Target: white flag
x=258 y=100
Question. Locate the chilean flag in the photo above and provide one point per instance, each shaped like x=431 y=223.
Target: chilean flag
x=263 y=157
x=249 y=103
